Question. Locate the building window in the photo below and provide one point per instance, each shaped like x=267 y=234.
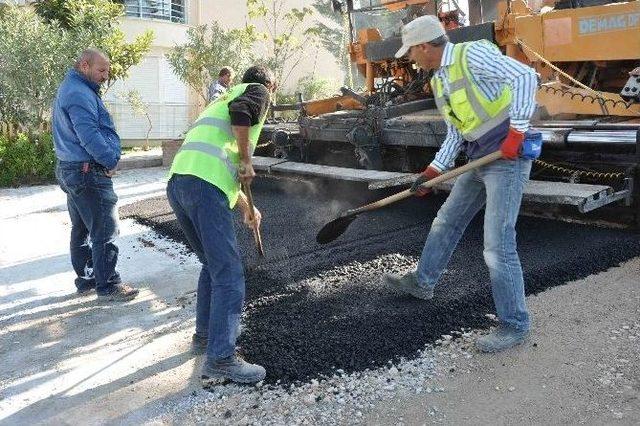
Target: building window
x=166 y=10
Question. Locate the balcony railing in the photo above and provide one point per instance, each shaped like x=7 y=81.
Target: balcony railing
x=166 y=10
x=169 y=121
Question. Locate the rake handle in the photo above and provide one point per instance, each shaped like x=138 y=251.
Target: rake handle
x=430 y=183
x=256 y=229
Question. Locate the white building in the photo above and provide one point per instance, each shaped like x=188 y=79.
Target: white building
x=172 y=106
x=167 y=99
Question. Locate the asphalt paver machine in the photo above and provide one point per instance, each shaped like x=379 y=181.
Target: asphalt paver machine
x=587 y=54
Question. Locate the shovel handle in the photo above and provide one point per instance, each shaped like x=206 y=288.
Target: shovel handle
x=430 y=183
x=256 y=230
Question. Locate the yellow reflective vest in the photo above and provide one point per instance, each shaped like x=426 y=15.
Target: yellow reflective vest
x=466 y=107
x=210 y=151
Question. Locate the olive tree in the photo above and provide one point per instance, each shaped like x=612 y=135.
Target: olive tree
x=96 y=23
x=33 y=59
x=285 y=38
x=38 y=47
x=207 y=50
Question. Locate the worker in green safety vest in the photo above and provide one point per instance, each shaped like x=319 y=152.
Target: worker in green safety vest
x=204 y=187
x=487 y=100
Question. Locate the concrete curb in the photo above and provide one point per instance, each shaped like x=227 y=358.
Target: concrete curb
x=140 y=161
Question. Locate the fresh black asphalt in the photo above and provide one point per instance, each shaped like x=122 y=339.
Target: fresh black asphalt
x=312 y=309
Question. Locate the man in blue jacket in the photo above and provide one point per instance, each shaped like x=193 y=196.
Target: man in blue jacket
x=88 y=150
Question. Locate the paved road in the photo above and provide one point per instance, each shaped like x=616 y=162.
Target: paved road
x=312 y=309
x=67 y=359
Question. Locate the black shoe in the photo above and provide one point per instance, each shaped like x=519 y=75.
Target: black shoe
x=85 y=289
x=198 y=344
x=120 y=293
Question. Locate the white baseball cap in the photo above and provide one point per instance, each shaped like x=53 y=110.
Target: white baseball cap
x=421 y=30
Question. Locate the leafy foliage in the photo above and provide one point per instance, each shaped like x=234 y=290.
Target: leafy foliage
x=36 y=50
x=140 y=108
x=207 y=50
x=285 y=50
x=315 y=88
x=34 y=56
x=26 y=160
x=332 y=31
x=97 y=24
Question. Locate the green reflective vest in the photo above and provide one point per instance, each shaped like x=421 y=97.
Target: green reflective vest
x=210 y=150
x=466 y=107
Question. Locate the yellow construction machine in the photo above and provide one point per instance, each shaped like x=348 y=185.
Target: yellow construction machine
x=586 y=52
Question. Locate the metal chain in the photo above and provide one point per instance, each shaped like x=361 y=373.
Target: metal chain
x=263 y=145
x=575 y=172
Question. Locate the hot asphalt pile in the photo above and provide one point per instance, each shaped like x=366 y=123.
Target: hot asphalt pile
x=312 y=310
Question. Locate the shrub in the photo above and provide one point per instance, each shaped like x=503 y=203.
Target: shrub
x=313 y=87
x=26 y=159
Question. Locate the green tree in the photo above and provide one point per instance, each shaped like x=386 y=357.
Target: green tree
x=285 y=50
x=313 y=87
x=141 y=109
x=207 y=50
x=96 y=23
x=332 y=31
x=36 y=50
x=34 y=57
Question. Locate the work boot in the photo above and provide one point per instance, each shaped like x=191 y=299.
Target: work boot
x=199 y=344
x=85 y=289
x=233 y=368
x=408 y=283
x=119 y=293
x=500 y=339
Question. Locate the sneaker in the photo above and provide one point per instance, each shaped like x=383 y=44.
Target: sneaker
x=408 y=283
x=120 y=293
x=233 y=368
x=500 y=339
x=198 y=344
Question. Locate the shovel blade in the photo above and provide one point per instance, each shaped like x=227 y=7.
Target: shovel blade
x=334 y=229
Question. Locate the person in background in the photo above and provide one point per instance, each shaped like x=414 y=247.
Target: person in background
x=88 y=150
x=222 y=84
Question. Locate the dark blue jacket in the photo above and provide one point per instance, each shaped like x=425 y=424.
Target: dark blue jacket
x=82 y=127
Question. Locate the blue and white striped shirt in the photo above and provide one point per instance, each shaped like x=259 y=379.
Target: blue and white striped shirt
x=491 y=71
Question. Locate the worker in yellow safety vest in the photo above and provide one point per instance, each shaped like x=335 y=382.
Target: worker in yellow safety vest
x=487 y=100
x=204 y=186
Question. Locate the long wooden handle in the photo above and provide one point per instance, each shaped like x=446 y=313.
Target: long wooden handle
x=430 y=183
x=256 y=229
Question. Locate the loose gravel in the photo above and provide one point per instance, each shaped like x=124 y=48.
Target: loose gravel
x=316 y=314
x=339 y=399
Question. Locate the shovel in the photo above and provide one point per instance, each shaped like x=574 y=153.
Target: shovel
x=336 y=227
x=256 y=229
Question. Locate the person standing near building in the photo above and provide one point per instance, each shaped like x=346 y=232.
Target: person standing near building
x=88 y=150
x=222 y=84
x=487 y=100
x=204 y=186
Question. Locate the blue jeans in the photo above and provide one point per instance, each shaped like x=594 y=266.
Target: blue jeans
x=207 y=222
x=499 y=186
x=91 y=202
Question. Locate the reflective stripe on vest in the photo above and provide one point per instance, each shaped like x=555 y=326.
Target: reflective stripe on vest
x=210 y=150
x=472 y=114
x=221 y=124
x=214 y=151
